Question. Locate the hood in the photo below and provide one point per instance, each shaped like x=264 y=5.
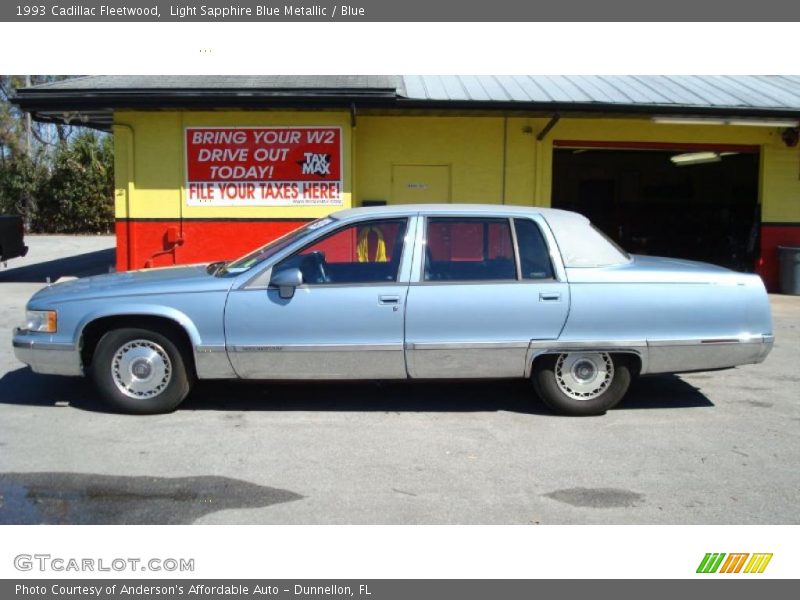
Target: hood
x=185 y=278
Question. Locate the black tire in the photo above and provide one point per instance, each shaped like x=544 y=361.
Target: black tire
x=175 y=384
x=548 y=389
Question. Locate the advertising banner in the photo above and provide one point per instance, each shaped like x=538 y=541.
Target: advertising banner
x=263 y=166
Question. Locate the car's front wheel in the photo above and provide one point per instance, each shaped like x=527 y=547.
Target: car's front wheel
x=582 y=383
x=140 y=371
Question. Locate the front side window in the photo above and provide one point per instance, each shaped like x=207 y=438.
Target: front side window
x=366 y=252
x=259 y=255
x=468 y=249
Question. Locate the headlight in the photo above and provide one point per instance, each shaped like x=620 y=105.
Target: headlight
x=45 y=321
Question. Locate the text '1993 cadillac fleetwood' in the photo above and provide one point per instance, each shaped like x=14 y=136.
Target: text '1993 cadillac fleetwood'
x=405 y=292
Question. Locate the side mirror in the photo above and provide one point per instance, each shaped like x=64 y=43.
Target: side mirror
x=286 y=281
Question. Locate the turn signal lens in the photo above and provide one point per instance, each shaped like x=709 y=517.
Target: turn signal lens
x=45 y=321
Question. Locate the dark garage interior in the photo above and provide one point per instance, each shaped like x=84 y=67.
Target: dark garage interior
x=705 y=209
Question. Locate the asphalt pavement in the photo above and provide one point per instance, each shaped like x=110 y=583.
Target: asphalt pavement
x=707 y=448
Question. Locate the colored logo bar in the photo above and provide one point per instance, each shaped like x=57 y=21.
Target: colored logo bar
x=736 y=562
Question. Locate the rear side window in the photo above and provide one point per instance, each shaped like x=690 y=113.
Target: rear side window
x=469 y=249
x=534 y=257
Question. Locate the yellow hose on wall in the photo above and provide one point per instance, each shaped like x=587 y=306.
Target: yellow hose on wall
x=362 y=249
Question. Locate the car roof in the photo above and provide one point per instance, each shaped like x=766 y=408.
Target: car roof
x=460 y=209
x=581 y=245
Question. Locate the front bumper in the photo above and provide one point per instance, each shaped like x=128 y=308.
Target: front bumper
x=45 y=356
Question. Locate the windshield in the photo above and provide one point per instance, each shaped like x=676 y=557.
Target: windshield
x=256 y=257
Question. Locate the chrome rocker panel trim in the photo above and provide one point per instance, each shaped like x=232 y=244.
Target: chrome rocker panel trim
x=657 y=356
x=318 y=361
x=211 y=362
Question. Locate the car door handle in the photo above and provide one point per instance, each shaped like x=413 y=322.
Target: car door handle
x=549 y=297
x=389 y=299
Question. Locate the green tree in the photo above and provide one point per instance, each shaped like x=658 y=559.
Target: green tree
x=58 y=177
x=78 y=195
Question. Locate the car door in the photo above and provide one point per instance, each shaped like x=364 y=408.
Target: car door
x=345 y=321
x=484 y=288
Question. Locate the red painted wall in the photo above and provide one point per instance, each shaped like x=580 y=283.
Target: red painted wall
x=772 y=236
x=151 y=243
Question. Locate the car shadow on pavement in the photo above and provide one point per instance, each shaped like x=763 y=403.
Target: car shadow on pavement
x=458 y=396
x=663 y=391
x=23 y=387
x=80 y=265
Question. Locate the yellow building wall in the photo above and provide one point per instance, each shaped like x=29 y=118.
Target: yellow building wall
x=780 y=184
x=472 y=148
x=492 y=159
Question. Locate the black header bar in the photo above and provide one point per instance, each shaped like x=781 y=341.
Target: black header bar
x=41 y=11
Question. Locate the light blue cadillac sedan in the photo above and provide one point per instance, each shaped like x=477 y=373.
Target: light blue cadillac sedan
x=405 y=292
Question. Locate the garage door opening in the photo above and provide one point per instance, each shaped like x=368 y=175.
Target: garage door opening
x=694 y=202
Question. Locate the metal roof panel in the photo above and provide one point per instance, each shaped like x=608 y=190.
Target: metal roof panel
x=474 y=88
x=679 y=94
x=654 y=90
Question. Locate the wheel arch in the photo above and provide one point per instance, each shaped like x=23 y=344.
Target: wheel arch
x=186 y=338
x=636 y=354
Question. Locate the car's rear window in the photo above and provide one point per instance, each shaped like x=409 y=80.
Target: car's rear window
x=581 y=244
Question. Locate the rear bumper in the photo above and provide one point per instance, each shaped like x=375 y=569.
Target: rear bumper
x=680 y=356
x=44 y=356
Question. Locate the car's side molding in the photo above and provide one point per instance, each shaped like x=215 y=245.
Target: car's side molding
x=465 y=345
x=315 y=348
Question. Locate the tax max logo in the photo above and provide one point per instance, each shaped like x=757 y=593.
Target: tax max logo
x=713 y=562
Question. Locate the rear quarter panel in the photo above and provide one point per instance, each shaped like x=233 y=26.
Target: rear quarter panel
x=693 y=320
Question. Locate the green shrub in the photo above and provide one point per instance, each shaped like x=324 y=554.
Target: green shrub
x=20 y=182
x=77 y=196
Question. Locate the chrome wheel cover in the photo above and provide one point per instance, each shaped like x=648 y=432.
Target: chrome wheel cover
x=141 y=369
x=584 y=375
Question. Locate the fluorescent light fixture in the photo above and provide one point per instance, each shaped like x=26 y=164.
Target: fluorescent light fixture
x=695 y=158
x=764 y=122
x=718 y=121
x=688 y=121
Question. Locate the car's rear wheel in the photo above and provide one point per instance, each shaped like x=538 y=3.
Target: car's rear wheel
x=582 y=383
x=140 y=371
